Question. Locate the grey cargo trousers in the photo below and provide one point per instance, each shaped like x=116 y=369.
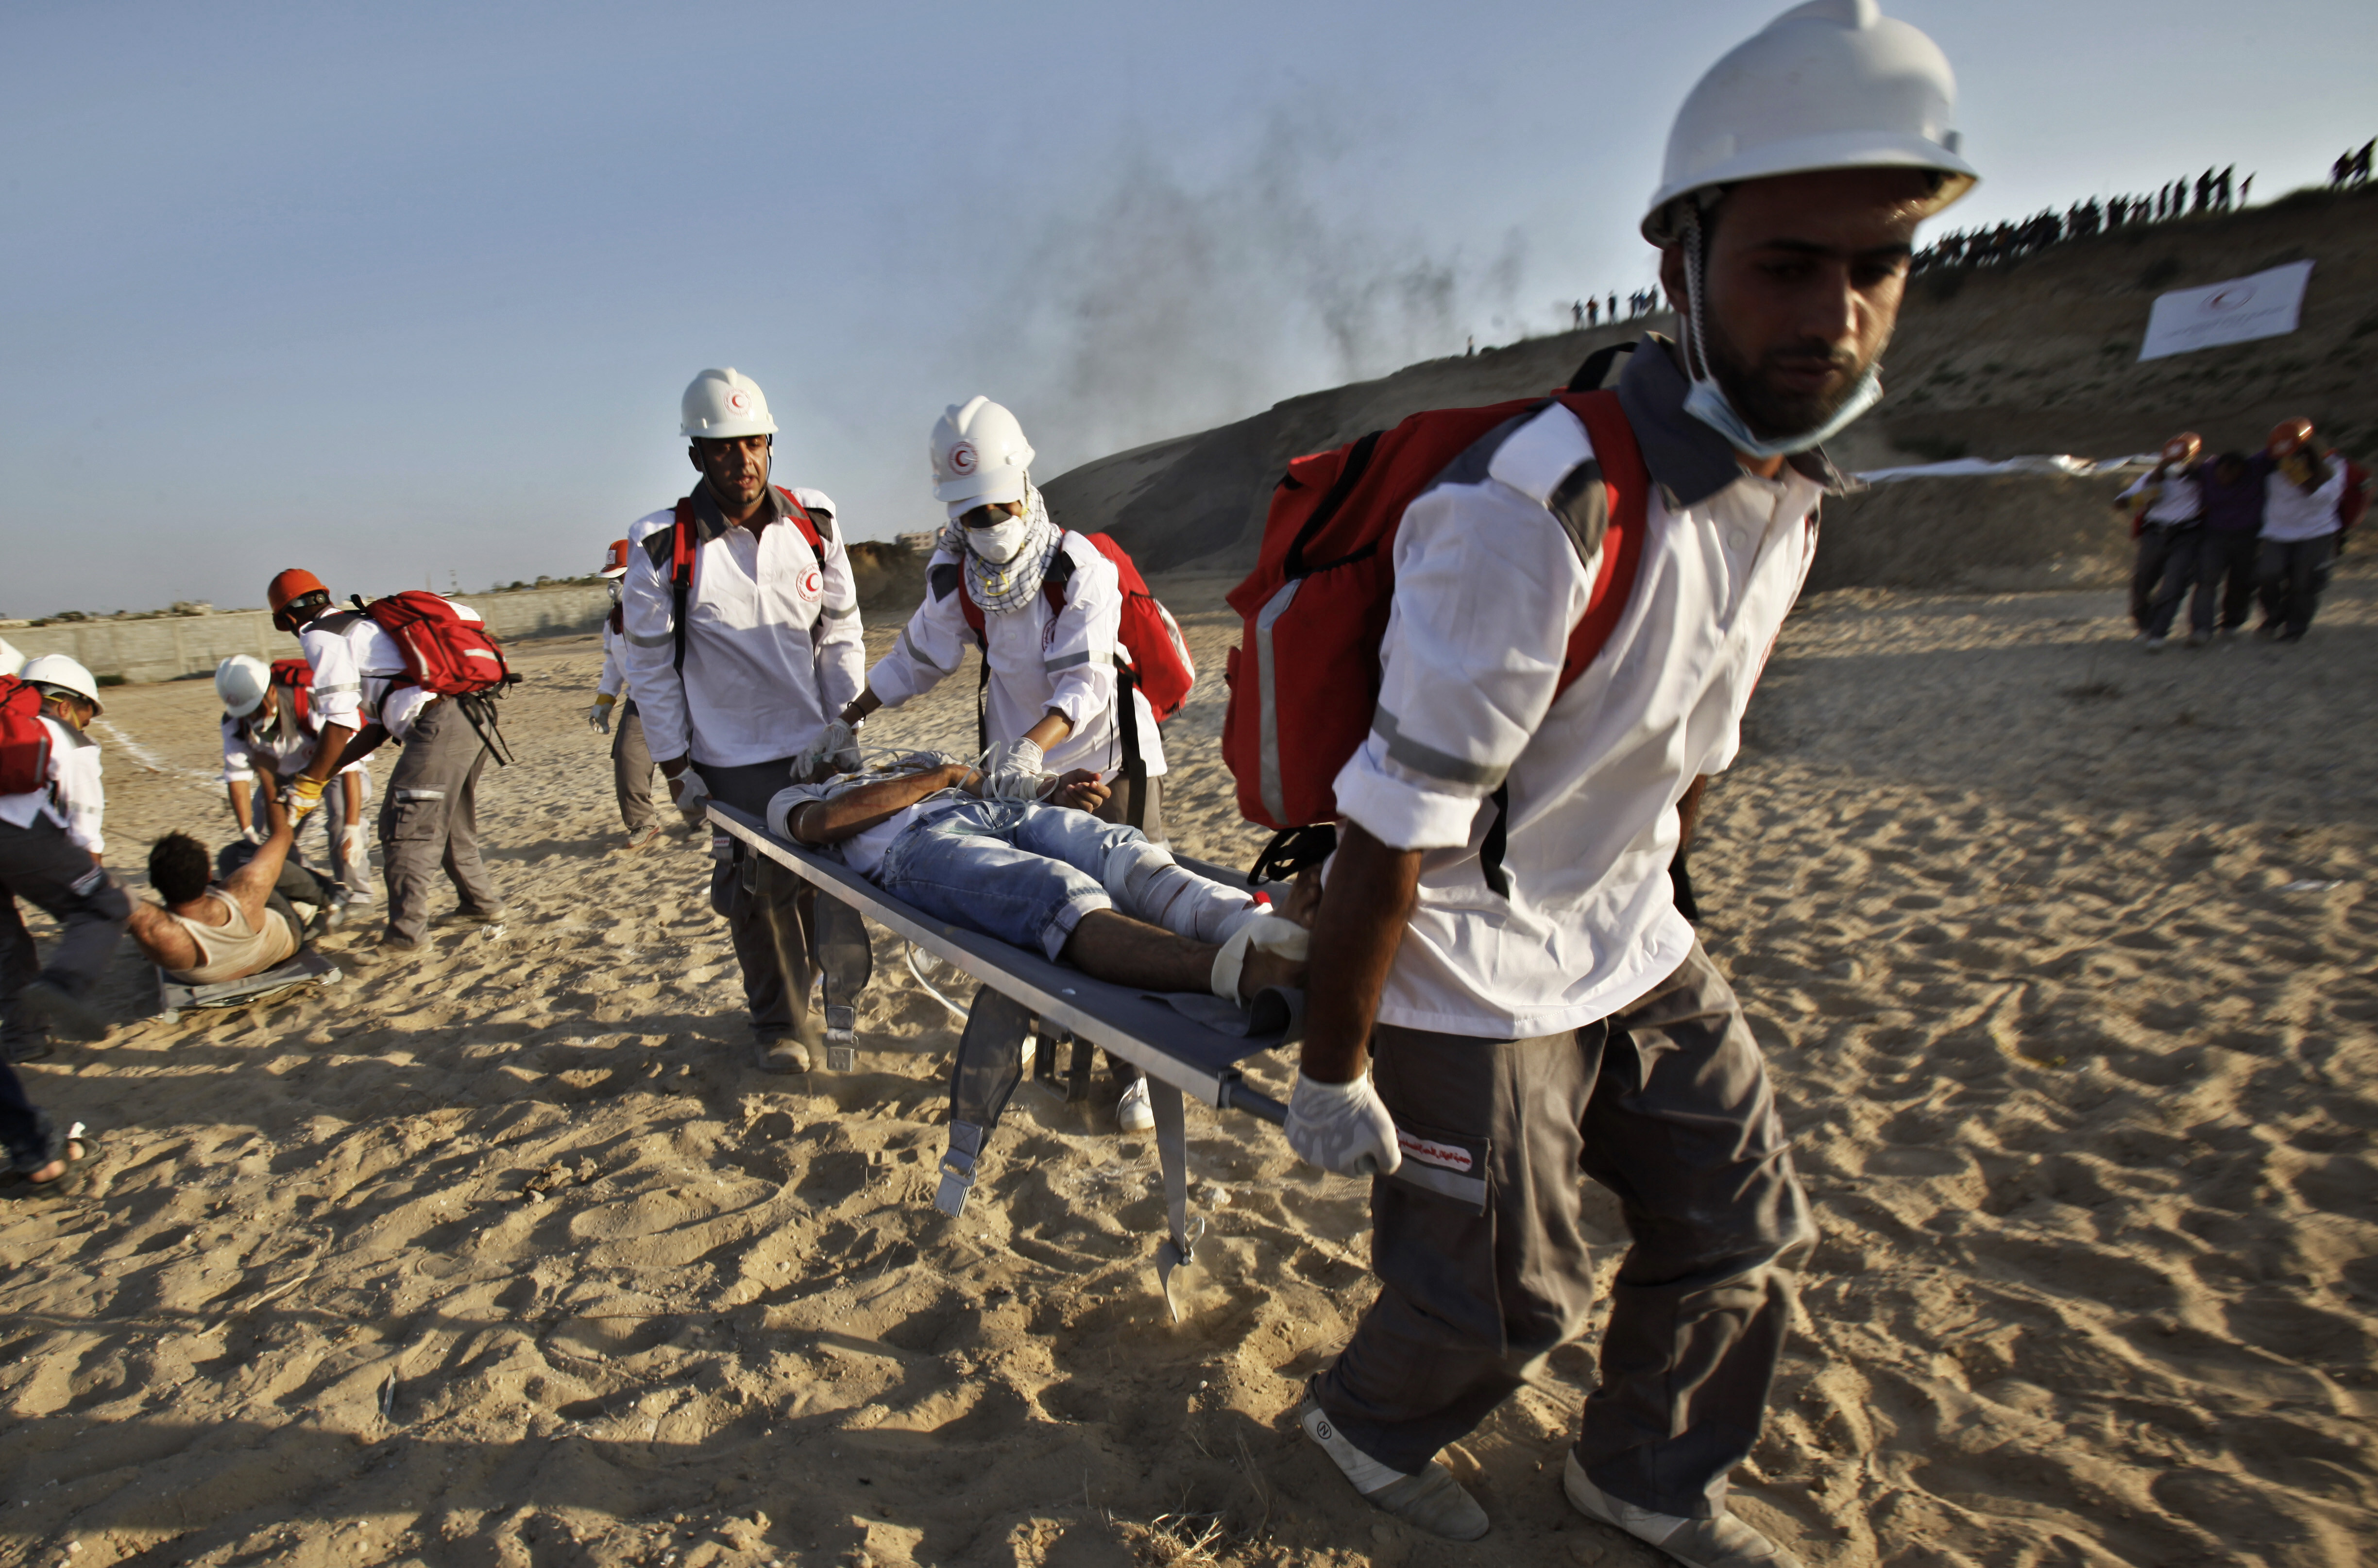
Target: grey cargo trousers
x=1482 y=1259
x=41 y=865
x=430 y=820
x=770 y=913
x=631 y=769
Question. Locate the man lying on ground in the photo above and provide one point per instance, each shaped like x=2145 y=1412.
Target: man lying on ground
x=1044 y=873
x=211 y=931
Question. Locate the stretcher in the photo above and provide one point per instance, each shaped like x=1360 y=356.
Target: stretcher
x=1021 y=993
x=307 y=969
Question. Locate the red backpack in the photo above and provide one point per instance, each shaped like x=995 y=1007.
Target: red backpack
x=1304 y=678
x=444 y=654
x=296 y=676
x=2355 y=502
x=24 y=738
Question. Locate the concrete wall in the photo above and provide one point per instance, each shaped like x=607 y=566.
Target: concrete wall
x=193 y=645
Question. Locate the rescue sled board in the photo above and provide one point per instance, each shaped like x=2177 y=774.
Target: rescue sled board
x=307 y=969
x=1179 y=1054
x=1147 y=1034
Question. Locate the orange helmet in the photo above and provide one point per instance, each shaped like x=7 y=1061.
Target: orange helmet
x=2290 y=437
x=289 y=588
x=614 y=558
x=2183 y=447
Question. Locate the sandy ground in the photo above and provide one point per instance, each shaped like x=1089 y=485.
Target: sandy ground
x=505 y=1255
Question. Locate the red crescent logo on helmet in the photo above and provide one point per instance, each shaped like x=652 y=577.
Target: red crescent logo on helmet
x=962 y=459
x=739 y=400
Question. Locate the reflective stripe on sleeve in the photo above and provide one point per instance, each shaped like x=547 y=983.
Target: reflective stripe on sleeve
x=911 y=650
x=844 y=614
x=1425 y=759
x=1070 y=660
x=660 y=640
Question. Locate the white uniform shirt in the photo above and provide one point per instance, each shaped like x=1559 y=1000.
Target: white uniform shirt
x=774 y=647
x=74 y=797
x=2289 y=516
x=1041 y=658
x=2177 y=498
x=280 y=756
x=615 y=667
x=357 y=673
x=1488 y=586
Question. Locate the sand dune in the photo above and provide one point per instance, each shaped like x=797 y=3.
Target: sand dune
x=504 y=1255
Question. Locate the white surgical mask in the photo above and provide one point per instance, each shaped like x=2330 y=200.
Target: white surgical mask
x=1001 y=541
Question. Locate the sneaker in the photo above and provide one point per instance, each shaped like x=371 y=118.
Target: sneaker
x=2151 y=644
x=1432 y=1501
x=2197 y=640
x=471 y=917
x=1133 y=1111
x=391 y=943
x=644 y=837
x=1722 y=1542
x=784 y=1053
x=26 y=1048
x=65 y=1014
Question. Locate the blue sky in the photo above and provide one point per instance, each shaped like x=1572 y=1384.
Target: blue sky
x=408 y=293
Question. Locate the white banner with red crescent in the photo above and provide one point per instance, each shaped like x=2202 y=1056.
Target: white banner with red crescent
x=2264 y=305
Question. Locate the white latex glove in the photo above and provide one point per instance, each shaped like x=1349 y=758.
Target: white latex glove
x=836 y=751
x=252 y=833
x=1342 y=1127
x=599 y=715
x=1013 y=772
x=352 y=842
x=693 y=797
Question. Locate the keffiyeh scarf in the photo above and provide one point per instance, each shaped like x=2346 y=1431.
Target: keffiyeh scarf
x=1000 y=587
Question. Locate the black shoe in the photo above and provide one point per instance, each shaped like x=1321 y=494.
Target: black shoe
x=64 y=1014
x=28 y=1048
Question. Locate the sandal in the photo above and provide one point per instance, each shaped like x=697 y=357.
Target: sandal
x=67 y=1183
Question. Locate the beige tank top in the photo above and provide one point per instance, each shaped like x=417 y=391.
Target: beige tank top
x=235 y=950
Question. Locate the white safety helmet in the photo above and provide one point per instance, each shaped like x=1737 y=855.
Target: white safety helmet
x=65 y=674
x=722 y=405
x=11 y=660
x=241 y=681
x=980 y=456
x=1832 y=84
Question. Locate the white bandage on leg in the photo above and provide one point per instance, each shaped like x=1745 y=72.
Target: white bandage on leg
x=1271 y=933
x=1145 y=884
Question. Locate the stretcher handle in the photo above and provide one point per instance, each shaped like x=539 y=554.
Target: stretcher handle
x=1237 y=1096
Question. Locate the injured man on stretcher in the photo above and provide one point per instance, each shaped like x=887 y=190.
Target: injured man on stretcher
x=1039 y=871
x=211 y=931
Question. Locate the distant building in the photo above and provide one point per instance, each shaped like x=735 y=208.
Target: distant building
x=923 y=544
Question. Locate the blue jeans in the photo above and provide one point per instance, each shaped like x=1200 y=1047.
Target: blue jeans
x=1024 y=873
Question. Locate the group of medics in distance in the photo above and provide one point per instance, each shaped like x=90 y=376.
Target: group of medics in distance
x=1503 y=998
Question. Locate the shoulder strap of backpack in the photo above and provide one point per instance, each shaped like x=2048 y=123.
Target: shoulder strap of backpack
x=809 y=525
x=680 y=576
x=1604 y=504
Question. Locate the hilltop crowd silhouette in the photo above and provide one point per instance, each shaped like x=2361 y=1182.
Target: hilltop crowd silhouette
x=2212 y=191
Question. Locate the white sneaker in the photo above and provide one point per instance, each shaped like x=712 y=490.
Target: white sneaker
x=1432 y=1501
x=1722 y=1542
x=1133 y=1111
